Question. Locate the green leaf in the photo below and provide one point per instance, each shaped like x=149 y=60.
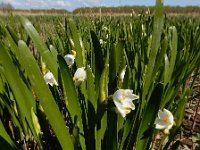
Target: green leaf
x=99 y=60
x=41 y=47
x=170 y=63
x=126 y=132
x=54 y=53
x=45 y=97
x=144 y=136
x=5 y=140
x=161 y=55
x=115 y=58
x=69 y=87
x=90 y=109
x=157 y=30
x=178 y=118
x=111 y=134
x=101 y=129
x=103 y=90
x=23 y=95
x=78 y=43
x=12 y=34
x=73 y=104
x=91 y=88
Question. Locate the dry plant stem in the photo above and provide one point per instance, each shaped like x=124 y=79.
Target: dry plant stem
x=153 y=142
x=162 y=141
x=195 y=115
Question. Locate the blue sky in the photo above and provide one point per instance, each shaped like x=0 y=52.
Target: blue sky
x=73 y=4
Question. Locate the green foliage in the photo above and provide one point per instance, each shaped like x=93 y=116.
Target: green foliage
x=159 y=55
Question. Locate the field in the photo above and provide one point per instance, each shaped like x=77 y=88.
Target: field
x=150 y=58
x=104 y=11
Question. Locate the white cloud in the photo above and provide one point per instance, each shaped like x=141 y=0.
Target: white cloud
x=89 y=3
x=40 y=4
x=48 y=4
x=84 y=3
x=58 y=4
x=14 y=3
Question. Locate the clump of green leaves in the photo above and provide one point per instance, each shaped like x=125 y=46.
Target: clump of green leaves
x=156 y=56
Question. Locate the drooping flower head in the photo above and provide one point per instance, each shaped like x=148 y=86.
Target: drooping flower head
x=164 y=120
x=49 y=79
x=80 y=75
x=69 y=58
x=123 y=101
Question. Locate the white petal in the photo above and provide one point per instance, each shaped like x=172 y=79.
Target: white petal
x=69 y=58
x=124 y=108
x=128 y=104
x=118 y=95
x=164 y=120
x=124 y=94
x=159 y=124
x=120 y=109
x=162 y=123
x=170 y=126
x=171 y=118
x=157 y=121
x=162 y=114
x=129 y=94
x=167 y=112
x=160 y=127
x=123 y=100
x=80 y=74
x=49 y=79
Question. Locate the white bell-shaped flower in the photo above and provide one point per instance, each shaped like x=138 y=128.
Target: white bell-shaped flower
x=123 y=101
x=69 y=58
x=164 y=120
x=80 y=75
x=49 y=79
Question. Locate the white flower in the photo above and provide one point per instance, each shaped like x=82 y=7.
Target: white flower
x=164 y=120
x=101 y=41
x=80 y=75
x=49 y=79
x=69 y=58
x=123 y=101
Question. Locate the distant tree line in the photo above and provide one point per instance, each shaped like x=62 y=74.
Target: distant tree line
x=6 y=6
x=58 y=11
x=106 y=10
x=136 y=9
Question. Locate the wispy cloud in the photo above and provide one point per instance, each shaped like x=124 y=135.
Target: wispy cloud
x=88 y=3
x=40 y=4
x=48 y=4
x=84 y=3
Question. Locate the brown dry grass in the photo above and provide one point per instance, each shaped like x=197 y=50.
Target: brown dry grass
x=62 y=13
x=31 y=13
